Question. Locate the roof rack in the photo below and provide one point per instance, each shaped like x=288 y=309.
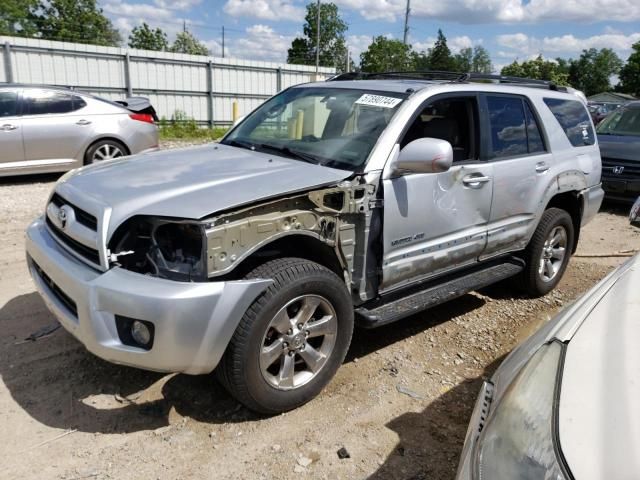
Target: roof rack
x=435 y=75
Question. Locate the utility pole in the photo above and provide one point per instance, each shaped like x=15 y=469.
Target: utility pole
x=223 y=41
x=348 y=62
x=406 y=22
x=318 y=39
x=184 y=26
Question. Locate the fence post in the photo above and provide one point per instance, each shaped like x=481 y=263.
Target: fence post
x=127 y=74
x=8 y=68
x=210 y=92
x=278 y=79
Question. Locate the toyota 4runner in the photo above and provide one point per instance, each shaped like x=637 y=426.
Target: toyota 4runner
x=363 y=200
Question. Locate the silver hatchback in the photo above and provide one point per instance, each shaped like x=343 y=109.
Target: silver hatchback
x=48 y=129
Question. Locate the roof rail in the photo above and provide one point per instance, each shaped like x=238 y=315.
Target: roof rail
x=429 y=75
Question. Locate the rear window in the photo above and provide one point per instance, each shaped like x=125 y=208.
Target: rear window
x=574 y=120
x=8 y=103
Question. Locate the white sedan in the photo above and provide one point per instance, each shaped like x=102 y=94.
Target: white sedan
x=564 y=404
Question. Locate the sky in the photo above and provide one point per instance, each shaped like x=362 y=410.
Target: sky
x=508 y=29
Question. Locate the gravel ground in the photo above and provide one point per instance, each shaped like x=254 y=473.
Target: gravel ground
x=66 y=414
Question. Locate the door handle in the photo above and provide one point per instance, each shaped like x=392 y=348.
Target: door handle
x=541 y=167
x=475 y=181
x=83 y=122
x=7 y=127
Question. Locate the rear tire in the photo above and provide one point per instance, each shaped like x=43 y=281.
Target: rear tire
x=287 y=346
x=548 y=253
x=105 y=150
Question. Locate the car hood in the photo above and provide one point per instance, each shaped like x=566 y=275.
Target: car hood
x=599 y=421
x=191 y=183
x=619 y=147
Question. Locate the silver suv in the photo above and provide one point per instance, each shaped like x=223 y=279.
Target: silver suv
x=349 y=201
x=49 y=129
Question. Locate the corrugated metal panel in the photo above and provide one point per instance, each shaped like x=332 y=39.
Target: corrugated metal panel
x=173 y=82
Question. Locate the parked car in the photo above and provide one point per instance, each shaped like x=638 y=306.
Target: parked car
x=47 y=129
x=599 y=110
x=563 y=403
x=619 y=139
x=365 y=199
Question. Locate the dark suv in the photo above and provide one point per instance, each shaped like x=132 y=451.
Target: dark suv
x=619 y=139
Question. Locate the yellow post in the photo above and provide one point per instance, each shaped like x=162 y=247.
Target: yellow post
x=291 y=129
x=299 y=124
x=235 y=111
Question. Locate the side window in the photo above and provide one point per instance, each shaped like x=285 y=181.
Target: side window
x=534 y=136
x=78 y=103
x=574 y=119
x=8 y=103
x=507 y=124
x=42 y=102
x=452 y=119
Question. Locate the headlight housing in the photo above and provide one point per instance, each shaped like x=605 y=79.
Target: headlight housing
x=161 y=247
x=518 y=439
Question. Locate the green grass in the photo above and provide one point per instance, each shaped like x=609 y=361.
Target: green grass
x=181 y=127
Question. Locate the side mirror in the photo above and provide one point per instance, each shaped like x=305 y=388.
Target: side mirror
x=424 y=155
x=634 y=216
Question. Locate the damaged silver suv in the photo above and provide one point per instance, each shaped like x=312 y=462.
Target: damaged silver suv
x=360 y=200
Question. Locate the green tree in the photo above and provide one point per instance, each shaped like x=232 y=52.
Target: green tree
x=333 y=49
x=630 y=73
x=439 y=57
x=16 y=17
x=386 y=55
x=145 y=38
x=592 y=71
x=481 y=62
x=538 y=69
x=464 y=60
x=75 y=20
x=185 y=42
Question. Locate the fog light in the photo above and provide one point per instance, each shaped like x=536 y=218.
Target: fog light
x=140 y=333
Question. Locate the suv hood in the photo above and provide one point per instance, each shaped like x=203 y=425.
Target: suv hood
x=599 y=420
x=191 y=183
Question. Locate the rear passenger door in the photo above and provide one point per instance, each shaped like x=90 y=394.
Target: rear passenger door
x=54 y=132
x=515 y=144
x=11 y=146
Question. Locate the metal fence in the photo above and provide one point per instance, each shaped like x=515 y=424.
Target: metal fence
x=204 y=88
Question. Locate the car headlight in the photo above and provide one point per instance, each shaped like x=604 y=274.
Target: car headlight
x=518 y=439
x=165 y=248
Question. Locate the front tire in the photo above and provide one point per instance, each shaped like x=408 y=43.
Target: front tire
x=548 y=253
x=291 y=340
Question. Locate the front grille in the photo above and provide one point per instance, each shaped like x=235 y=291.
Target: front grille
x=82 y=217
x=630 y=169
x=88 y=253
x=56 y=291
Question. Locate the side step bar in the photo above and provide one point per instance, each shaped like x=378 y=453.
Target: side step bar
x=441 y=290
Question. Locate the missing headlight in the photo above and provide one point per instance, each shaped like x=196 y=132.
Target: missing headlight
x=163 y=248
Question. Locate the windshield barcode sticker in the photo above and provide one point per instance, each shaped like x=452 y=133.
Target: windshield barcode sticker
x=378 y=101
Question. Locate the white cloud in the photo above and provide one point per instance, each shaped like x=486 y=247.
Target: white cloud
x=264 y=9
x=503 y=11
x=520 y=44
x=455 y=44
x=260 y=42
x=177 y=4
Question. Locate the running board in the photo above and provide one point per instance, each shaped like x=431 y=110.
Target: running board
x=440 y=291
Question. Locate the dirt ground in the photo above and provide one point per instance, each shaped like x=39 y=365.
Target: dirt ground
x=65 y=414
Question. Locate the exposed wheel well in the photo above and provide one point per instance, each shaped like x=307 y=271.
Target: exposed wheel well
x=573 y=205
x=300 y=246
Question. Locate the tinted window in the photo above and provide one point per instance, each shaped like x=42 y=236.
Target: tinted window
x=41 y=102
x=534 y=136
x=8 y=104
x=574 y=120
x=508 y=134
x=78 y=103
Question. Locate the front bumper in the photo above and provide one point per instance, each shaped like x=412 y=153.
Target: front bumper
x=193 y=321
x=621 y=189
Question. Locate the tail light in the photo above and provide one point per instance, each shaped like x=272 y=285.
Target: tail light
x=141 y=117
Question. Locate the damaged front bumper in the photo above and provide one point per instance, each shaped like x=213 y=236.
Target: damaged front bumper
x=192 y=322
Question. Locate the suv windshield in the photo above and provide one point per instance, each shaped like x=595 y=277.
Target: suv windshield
x=335 y=127
x=625 y=121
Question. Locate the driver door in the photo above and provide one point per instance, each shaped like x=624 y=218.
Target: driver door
x=437 y=222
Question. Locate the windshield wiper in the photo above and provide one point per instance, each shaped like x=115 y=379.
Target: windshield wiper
x=305 y=157
x=241 y=144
